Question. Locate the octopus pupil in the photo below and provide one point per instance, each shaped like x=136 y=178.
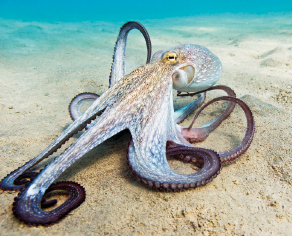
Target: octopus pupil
x=171 y=58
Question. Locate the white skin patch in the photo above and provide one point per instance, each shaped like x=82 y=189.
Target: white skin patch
x=34 y=190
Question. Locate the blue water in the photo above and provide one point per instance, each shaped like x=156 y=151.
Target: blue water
x=117 y=11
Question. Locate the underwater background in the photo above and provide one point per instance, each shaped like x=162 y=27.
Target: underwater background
x=50 y=51
x=117 y=11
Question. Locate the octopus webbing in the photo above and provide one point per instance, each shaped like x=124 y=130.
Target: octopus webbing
x=141 y=102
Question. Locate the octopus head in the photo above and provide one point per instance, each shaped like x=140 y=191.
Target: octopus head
x=195 y=67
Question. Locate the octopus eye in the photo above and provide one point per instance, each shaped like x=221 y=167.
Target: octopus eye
x=170 y=57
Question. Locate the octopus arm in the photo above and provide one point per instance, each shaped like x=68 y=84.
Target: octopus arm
x=8 y=183
x=198 y=134
x=229 y=156
x=148 y=161
x=28 y=205
x=118 y=69
x=147 y=153
x=155 y=172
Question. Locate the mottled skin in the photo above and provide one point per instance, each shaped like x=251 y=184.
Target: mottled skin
x=141 y=102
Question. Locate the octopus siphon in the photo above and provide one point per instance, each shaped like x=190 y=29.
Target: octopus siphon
x=141 y=102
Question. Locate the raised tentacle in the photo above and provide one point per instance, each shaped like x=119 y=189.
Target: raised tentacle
x=34 y=214
x=200 y=133
x=118 y=69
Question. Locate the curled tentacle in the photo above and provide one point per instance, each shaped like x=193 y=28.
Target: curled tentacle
x=201 y=133
x=27 y=208
x=118 y=69
x=48 y=203
x=168 y=179
x=198 y=157
x=17 y=179
x=229 y=156
x=18 y=183
x=28 y=203
x=25 y=178
x=77 y=103
x=195 y=160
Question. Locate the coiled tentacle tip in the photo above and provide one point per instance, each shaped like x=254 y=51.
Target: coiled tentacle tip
x=28 y=208
x=17 y=183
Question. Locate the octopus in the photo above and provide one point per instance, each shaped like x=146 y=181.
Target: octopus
x=141 y=102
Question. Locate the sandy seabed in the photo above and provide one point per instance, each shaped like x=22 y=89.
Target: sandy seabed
x=43 y=66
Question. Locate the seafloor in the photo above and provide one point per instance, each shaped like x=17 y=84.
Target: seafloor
x=43 y=66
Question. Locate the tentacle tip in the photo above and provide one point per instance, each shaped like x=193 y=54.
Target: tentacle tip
x=31 y=213
x=11 y=188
